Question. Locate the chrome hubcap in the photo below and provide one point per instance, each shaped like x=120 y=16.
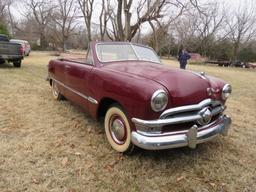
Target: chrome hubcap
x=117 y=129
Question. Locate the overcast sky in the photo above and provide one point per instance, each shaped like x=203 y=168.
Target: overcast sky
x=18 y=8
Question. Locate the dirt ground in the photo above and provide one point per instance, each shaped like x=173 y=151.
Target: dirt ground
x=46 y=145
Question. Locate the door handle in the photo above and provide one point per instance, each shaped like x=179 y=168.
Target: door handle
x=67 y=67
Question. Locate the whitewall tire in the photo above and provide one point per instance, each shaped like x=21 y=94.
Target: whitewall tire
x=118 y=131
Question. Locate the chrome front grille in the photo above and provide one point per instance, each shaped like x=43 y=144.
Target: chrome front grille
x=182 y=117
x=190 y=110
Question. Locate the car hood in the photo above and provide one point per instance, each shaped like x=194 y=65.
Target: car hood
x=185 y=87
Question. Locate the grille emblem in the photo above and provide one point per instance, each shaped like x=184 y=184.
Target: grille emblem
x=206 y=116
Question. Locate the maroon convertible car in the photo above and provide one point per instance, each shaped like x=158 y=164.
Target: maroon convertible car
x=143 y=102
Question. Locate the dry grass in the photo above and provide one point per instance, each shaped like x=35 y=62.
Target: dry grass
x=53 y=146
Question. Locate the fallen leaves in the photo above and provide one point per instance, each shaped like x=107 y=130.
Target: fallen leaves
x=35 y=180
x=213 y=184
x=88 y=164
x=77 y=154
x=64 y=161
x=180 y=178
x=59 y=142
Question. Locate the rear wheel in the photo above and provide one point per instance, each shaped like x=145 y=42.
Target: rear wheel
x=55 y=91
x=118 y=130
x=17 y=64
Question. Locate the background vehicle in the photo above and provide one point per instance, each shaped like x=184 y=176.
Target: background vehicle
x=25 y=46
x=10 y=52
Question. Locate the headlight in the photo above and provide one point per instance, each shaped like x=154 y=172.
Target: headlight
x=226 y=91
x=159 y=100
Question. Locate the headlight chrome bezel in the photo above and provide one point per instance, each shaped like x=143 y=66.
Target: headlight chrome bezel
x=226 y=91
x=154 y=96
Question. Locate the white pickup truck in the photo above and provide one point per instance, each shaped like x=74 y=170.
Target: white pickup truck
x=10 y=52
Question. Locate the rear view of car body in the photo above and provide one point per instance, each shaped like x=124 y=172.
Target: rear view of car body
x=25 y=46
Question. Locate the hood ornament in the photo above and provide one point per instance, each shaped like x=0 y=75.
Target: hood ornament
x=202 y=73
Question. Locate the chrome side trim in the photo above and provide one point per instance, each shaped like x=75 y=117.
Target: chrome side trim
x=90 y=99
x=190 y=139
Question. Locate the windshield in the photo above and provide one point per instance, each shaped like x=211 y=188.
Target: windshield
x=122 y=52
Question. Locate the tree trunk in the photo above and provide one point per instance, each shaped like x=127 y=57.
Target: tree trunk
x=156 y=47
x=89 y=36
x=43 y=42
x=236 y=48
x=127 y=16
x=119 y=21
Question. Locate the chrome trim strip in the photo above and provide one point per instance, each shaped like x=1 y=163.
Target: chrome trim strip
x=163 y=122
x=157 y=134
x=194 y=137
x=90 y=99
x=186 y=108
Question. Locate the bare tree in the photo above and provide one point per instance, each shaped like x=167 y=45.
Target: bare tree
x=41 y=11
x=104 y=17
x=10 y=16
x=242 y=27
x=3 y=6
x=149 y=11
x=86 y=7
x=161 y=28
x=64 y=18
x=207 y=26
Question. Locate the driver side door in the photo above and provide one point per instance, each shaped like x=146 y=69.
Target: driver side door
x=77 y=75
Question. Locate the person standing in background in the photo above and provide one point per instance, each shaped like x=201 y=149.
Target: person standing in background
x=183 y=58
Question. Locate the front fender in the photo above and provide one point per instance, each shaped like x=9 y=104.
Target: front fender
x=132 y=92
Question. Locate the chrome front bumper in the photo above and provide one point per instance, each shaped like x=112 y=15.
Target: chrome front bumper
x=190 y=138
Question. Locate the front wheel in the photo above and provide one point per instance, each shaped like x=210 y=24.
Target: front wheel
x=118 y=130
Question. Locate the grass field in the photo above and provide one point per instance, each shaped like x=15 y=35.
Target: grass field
x=46 y=145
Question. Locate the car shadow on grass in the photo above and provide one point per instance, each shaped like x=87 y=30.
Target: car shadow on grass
x=210 y=150
x=6 y=66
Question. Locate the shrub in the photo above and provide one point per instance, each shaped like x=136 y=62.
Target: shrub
x=4 y=30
